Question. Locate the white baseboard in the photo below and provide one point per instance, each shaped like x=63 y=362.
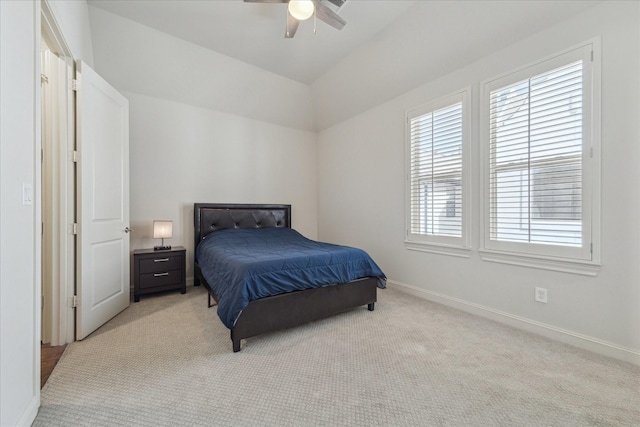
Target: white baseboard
x=31 y=411
x=568 y=337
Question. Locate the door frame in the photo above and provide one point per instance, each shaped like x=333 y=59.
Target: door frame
x=61 y=277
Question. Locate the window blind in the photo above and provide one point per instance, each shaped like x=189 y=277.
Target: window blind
x=535 y=154
x=436 y=172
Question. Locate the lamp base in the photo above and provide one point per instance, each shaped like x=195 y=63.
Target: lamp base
x=161 y=248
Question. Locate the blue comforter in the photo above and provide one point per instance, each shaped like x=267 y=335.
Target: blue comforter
x=242 y=265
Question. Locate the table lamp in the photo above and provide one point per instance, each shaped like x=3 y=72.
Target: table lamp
x=162 y=230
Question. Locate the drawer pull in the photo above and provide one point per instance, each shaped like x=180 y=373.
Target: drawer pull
x=161 y=260
x=160 y=274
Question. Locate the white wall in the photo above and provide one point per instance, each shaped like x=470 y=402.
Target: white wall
x=20 y=241
x=181 y=154
x=432 y=39
x=205 y=128
x=361 y=195
x=137 y=58
x=19 y=284
x=72 y=18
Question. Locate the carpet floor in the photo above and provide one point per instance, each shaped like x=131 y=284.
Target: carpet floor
x=167 y=361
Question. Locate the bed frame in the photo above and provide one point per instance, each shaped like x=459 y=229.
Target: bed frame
x=280 y=311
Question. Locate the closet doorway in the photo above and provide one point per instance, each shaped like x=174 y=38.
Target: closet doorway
x=58 y=186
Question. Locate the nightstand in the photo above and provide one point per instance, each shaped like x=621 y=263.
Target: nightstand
x=158 y=271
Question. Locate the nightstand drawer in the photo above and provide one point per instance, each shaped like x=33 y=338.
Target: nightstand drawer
x=161 y=278
x=160 y=263
x=158 y=271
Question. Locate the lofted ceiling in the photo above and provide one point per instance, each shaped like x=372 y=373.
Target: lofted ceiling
x=387 y=48
x=254 y=33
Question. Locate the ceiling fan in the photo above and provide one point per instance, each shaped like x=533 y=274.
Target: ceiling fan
x=300 y=10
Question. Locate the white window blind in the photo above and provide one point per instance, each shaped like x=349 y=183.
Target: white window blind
x=535 y=157
x=435 y=177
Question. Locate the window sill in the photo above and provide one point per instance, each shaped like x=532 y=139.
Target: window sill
x=438 y=248
x=585 y=268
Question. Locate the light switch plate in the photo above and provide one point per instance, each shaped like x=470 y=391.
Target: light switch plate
x=27 y=194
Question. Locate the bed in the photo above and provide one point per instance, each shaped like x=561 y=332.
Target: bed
x=262 y=309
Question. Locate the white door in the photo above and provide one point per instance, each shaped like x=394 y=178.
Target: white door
x=102 y=201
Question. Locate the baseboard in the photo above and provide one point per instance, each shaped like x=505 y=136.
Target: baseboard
x=568 y=337
x=31 y=411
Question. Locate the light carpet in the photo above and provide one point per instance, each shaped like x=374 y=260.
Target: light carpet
x=167 y=361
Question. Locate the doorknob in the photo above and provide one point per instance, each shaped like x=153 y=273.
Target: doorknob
x=128 y=230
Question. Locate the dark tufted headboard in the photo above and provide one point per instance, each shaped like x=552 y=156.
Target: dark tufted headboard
x=208 y=217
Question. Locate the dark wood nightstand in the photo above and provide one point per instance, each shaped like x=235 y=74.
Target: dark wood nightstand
x=157 y=271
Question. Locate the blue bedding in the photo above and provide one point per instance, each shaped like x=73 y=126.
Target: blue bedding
x=242 y=265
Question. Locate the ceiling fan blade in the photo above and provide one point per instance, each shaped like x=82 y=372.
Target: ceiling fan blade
x=327 y=15
x=292 y=26
x=338 y=3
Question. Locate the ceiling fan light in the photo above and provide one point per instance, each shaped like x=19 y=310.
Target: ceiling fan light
x=301 y=9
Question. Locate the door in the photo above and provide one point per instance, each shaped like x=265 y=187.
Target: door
x=102 y=128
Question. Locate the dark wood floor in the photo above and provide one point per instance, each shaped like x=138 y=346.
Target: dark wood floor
x=48 y=359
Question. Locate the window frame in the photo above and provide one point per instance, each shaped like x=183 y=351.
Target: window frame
x=586 y=258
x=447 y=245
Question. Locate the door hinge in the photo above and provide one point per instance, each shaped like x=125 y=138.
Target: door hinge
x=75 y=85
x=74 y=301
x=591 y=248
x=75 y=156
x=74 y=228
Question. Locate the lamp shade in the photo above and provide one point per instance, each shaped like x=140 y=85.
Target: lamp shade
x=162 y=229
x=301 y=9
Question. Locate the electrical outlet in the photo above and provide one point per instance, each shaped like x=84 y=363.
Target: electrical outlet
x=541 y=295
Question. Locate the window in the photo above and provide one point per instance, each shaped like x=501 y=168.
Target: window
x=436 y=141
x=539 y=174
